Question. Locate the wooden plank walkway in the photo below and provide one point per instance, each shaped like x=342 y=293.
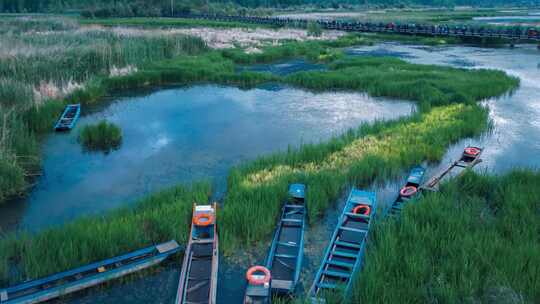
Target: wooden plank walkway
x=512 y=34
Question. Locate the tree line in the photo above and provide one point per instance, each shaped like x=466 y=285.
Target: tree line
x=164 y=7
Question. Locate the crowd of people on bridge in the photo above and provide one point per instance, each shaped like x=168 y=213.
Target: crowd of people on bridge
x=509 y=32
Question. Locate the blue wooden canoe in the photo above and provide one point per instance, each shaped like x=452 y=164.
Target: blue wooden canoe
x=413 y=182
x=258 y=292
x=198 y=278
x=343 y=257
x=69 y=118
x=287 y=250
x=67 y=282
x=470 y=157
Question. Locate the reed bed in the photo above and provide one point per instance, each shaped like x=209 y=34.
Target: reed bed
x=48 y=61
x=475 y=241
x=448 y=112
x=102 y=136
x=158 y=218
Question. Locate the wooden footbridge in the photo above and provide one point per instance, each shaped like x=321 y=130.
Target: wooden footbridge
x=511 y=34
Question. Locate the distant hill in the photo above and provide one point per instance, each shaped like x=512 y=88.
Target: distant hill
x=163 y=7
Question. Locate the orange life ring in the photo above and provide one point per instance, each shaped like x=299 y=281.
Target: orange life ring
x=408 y=191
x=258 y=281
x=472 y=151
x=362 y=209
x=203 y=219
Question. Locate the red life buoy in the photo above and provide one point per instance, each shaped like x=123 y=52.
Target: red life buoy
x=203 y=219
x=250 y=275
x=362 y=209
x=408 y=191
x=472 y=151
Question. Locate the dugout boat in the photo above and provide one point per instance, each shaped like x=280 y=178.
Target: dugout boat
x=409 y=191
x=286 y=253
x=198 y=278
x=67 y=282
x=69 y=118
x=469 y=158
x=344 y=255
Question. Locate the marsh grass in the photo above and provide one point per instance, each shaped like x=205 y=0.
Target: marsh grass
x=312 y=50
x=476 y=240
x=170 y=22
x=429 y=85
x=103 y=136
x=158 y=218
x=47 y=62
x=448 y=112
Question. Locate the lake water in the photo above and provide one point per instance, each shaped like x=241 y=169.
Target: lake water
x=515 y=139
x=514 y=142
x=181 y=135
x=531 y=19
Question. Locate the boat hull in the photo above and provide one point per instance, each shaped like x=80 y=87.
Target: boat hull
x=86 y=283
x=69 y=118
x=198 y=278
x=70 y=281
x=287 y=250
x=344 y=255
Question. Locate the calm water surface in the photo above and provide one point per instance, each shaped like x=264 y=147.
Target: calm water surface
x=531 y=19
x=181 y=135
x=514 y=142
x=515 y=139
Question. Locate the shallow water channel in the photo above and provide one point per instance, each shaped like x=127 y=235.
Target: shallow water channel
x=182 y=134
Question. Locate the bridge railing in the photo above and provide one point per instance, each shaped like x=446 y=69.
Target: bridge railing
x=512 y=33
x=530 y=34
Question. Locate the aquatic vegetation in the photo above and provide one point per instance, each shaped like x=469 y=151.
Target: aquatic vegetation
x=102 y=136
x=447 y=113
x=314 y=29
x=391 y=77
x=49 y=61
x=15 y=137
x=476 y=240
x=166 y=22
x=373 y=152
x=160 y=217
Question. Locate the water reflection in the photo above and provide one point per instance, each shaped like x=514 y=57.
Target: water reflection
x=185 y=134
x=514 y=140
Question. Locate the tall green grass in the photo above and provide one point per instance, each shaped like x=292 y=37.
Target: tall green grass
x=447 y=113
x=103 y=136
x=49 y=61
x=475 y=241
x=169 y=22
x=158 y=218
x=428 y=85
